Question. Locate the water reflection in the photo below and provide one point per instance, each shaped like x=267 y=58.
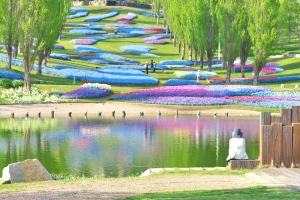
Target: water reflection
x=112 y=147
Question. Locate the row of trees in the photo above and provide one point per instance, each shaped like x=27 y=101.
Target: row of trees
x=238 y=26
x=33 y=26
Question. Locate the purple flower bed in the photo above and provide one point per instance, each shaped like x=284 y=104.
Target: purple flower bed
x=192 y=75
x=88 y=91
x=83 y=41
x=10 y=75
x=268 y=79
x=59 y=47
x=171 y=82
x=154 y=40
x=100 y=17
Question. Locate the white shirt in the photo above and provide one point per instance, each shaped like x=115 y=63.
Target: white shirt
x=237 y=149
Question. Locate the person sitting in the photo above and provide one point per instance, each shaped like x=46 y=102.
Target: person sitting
x=237 y=146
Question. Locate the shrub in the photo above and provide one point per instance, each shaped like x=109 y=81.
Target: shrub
x=17 y=83
x=6 y=83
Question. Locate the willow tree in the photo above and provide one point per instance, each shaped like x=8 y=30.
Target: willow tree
x=50 y=30
x=228 y=13
x=8 y=25
x=262 y=30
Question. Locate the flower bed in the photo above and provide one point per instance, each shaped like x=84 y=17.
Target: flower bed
x=144 y=12
x=83 y=41
x=139 y=50
x=86 y=49
x=60 y=56
x=181 y=82
x=10 y=75
x=59 y=47
x=267 y=79
x=125 y=35
x=125 y=21
x=192 y=75
x=105 y=61
x=89 y=90
x=154 y=40
x=177 y=62
x=85 y=31
x=124 y=67
x=79 y=12
x=100 y=17
x=122 y=72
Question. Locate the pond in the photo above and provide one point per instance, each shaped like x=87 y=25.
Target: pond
x=119 y=147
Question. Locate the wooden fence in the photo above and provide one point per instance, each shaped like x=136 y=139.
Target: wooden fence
x=280 y=138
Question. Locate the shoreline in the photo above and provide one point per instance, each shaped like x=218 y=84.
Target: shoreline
x=106 y=109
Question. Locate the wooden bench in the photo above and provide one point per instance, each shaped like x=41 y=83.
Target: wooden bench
x=243 y=164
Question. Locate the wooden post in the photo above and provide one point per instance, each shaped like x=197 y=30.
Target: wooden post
x=296 y=145
x=277 y=152
x=287 y=144
x=286 y=117
x=295 y=114
x=275 y=119
x=265 y=118
x=266 y=145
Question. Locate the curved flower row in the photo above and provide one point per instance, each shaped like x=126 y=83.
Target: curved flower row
x=180 y=82
x=86 y=49
x=100 y=17
x=154 y=40
x=125 y=21
x=139 y=50
x=144 y=12
x=112 y=62
x=123 y=72
x=124 y=67
x=79 y=12
x=269 y=70
x=125 y=35
x=60 y=56
x=89 y=90
x=192 y=74
x=192 y=91
x=91 y=76
x=86 y=31
x=10 y=75
x=267 y=79
x=88 y=40
x=177 y=62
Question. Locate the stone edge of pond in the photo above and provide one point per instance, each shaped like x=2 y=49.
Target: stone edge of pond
x=150 y=171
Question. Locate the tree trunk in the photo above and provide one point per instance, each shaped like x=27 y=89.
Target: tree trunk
x=9 y=56
x=196 y=57
x=201 y=61
x=190 y=52
x=256 y=75
x=40 y=60
x=167 y=30
x=15 y=50
x=27 y=78
x=179 y=47
x=183 y=52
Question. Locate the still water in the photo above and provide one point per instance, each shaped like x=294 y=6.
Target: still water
x=112 y=147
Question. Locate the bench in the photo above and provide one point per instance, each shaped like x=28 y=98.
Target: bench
x=243 y=164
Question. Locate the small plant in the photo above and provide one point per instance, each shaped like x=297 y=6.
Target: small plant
x=17 y=83
x=6 y=83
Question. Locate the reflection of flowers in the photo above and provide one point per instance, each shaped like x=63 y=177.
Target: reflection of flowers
x=82 y=143
x=94 y=130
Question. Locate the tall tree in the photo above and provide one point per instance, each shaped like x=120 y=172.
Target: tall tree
x=262 y=30
x=228 y=13
x=51 y=29
x=8 y=24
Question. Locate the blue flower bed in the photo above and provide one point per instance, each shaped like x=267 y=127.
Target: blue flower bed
x=60 y=56
x=105 y=61
x=129 y=29
x=86 y=49
x=192 y=75
x=100 y=17
x=86 y=31
x=125 y=35
x=79 y=12
x=58 y=66
x=10 y=75
x=177 y=62
x=122 y=72
x=124 y=67
x=144 y=12
x=139 y=50
x=112 y=56
x=181 y=82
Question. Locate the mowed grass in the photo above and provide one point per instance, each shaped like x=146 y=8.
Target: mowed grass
x=166 y=51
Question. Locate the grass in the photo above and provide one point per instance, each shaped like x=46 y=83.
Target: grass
x=258 y=192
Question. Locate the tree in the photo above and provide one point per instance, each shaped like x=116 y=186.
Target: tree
x=8 y=24
x=262 y=30
x=31 y=24
x=47 y=37
x=229 y=17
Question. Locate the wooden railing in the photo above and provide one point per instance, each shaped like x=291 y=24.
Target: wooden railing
x=280 y=138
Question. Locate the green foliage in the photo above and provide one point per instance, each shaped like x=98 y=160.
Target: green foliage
x=6 y=83
x=17 y=83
